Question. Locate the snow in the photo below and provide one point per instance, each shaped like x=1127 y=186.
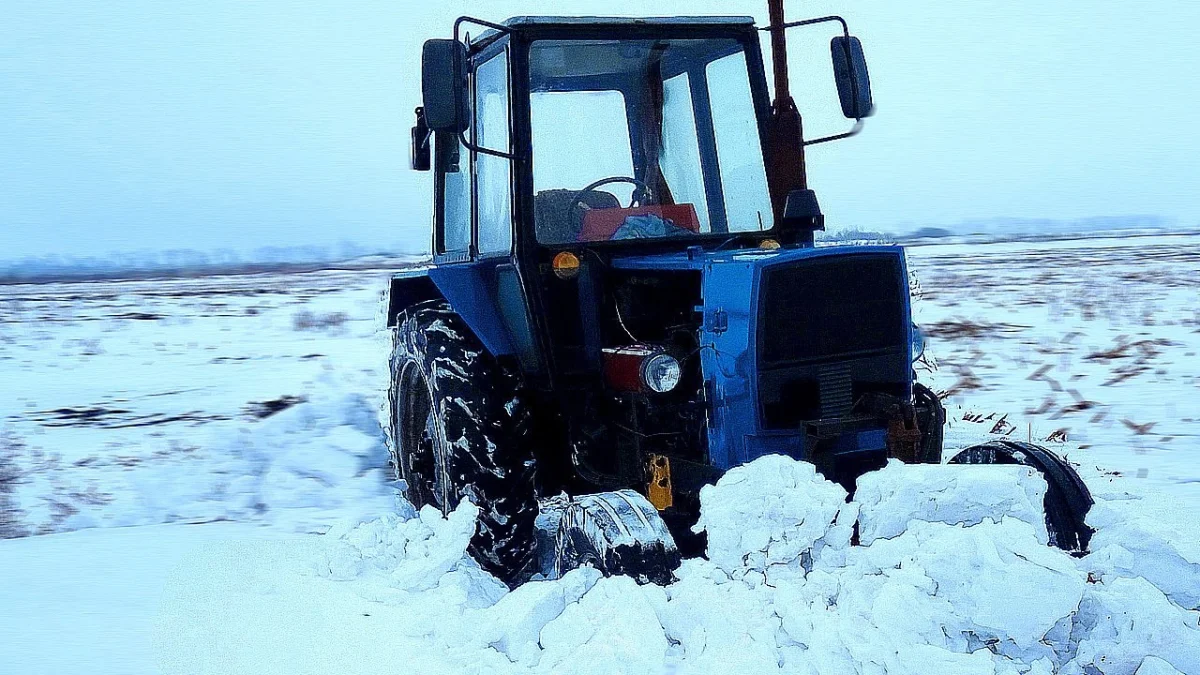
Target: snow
x=1122 y=622
x=988 y=597
x=612 y=626
x=325 y=570
x=87 y=602
x=1085 y=346
x=123 y=421
x=761 y=519
x=891 y=498
x=517 y=619
x=1137 y=538
x=1152 y=665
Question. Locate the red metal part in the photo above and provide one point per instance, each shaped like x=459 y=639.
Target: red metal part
x=785 y=151
x=602 y=224
x=623 y=367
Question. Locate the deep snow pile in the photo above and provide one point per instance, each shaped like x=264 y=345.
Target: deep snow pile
x=783 y=589
x=310 y=465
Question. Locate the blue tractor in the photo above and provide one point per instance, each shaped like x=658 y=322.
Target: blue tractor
x=625 y=299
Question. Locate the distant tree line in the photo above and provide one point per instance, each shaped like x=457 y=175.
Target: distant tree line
x=178 y=263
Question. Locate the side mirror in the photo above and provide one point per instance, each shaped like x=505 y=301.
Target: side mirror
x=420 y=153
x=444 y=86
x=850 y=73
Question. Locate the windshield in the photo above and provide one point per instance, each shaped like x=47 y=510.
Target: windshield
x=635 y=139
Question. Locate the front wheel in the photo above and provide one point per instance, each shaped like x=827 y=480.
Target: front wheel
x=460 y=429
x=617 y=533
x=931 y=418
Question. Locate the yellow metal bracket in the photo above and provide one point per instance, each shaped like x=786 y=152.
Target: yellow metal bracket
x=659 y=491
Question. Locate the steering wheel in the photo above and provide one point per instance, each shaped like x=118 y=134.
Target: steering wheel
x=639 y=197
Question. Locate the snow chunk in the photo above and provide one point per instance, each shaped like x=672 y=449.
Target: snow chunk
x=414 y=554
x=613 y=628
x=1152 y=665
x=1001 y=584
x=942 y=493
x=923 y=659
x=710 y=637
x=1123 y=622
x=1135 y=539
x=515 y=623
x=769 y=513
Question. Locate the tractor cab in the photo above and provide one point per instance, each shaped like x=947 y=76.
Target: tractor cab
x=600 y=131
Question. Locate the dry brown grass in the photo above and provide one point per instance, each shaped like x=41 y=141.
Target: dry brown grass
x=307 y=320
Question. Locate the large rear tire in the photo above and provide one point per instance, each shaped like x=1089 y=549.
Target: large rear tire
x=460 y=429
x=1067 y=499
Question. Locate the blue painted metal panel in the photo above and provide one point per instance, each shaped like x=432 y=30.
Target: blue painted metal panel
x=729 y=291
x=471 y=290
x=731 y=281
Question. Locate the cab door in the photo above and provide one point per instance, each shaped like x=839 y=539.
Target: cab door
x=476 y=269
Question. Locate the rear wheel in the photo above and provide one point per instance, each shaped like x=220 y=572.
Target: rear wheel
x=460 y=427
x=1067 y=499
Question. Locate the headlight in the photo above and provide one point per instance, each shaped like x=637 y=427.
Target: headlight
x=917 y=343
x=661 y=373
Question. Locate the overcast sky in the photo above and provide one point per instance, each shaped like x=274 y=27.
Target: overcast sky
x=237 y=124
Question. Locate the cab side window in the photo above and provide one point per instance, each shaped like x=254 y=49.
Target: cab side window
x=454 y=185
x=493 y=175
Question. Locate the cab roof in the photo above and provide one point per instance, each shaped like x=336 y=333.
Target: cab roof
x=540 y=21
x=534 y=23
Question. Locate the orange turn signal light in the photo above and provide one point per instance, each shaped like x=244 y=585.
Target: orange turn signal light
x=566 y=265
x=769 y=245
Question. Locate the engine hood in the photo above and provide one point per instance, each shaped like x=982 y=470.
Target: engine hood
x=732 y=309
x=700 y=259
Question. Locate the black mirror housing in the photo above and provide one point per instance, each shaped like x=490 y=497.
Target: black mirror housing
x=802 y=212
x=444 y=86
x=853 y=80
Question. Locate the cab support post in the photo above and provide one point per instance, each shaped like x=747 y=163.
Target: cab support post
x=785 y=162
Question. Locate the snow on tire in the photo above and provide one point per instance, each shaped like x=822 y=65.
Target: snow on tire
x=459 y=429
x=618 y=533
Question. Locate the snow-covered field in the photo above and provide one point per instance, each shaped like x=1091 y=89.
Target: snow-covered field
x=244 y=398
x=178 y=406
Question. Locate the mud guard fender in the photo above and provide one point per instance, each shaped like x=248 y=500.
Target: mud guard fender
x=1067 y=499
x=406 y=289
x=471 y=291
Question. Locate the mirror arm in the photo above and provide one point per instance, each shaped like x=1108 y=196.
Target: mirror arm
x=470 y=145
x=809 y=22
x=462 y=136
x=858 y=125
x=478 y=22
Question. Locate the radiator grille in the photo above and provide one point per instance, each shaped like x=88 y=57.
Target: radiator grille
x=836 y=390
x=827 y=307
x=830 y=330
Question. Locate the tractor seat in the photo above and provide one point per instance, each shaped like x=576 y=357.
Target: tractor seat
x=555 y=225
x=600 y=224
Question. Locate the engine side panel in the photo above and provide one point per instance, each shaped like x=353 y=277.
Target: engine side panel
x=741 y=382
